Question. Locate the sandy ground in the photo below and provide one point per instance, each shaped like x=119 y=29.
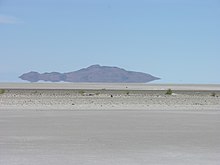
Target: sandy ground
x=86 y=126
x=86 y=99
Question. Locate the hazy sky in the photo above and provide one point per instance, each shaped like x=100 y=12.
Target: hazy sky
x=177 y=40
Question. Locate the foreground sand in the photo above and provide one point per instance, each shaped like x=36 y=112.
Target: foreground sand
x=86 y=126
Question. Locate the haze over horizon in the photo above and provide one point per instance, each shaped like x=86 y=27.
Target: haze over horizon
x=176 y=40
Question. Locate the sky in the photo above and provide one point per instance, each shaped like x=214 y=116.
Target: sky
x=176 y=40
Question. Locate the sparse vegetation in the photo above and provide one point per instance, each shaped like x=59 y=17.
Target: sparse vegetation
x=97 y=93
x=169 y=92
x=2 y=91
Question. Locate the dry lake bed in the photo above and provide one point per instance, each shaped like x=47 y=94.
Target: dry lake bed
x=128 y=125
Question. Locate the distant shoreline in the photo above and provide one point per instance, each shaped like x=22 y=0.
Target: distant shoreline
x=112 y=86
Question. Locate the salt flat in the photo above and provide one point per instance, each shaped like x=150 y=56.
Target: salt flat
x=109 y=137
x=120 y=124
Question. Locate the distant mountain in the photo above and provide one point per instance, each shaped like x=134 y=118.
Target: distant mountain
x=94 y=73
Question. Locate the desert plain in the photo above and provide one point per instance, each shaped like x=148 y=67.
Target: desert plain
x=120 y=124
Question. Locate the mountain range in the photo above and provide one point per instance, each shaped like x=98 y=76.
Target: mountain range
x=94 y=73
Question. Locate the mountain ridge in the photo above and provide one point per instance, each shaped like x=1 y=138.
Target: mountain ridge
x=93 y=73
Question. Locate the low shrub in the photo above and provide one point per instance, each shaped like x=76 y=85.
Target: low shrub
x=127 y=92
x=213 y=94
x=169 y=92
x=82 y=92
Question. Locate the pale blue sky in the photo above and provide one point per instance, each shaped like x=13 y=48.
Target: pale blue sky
x=177 y=40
